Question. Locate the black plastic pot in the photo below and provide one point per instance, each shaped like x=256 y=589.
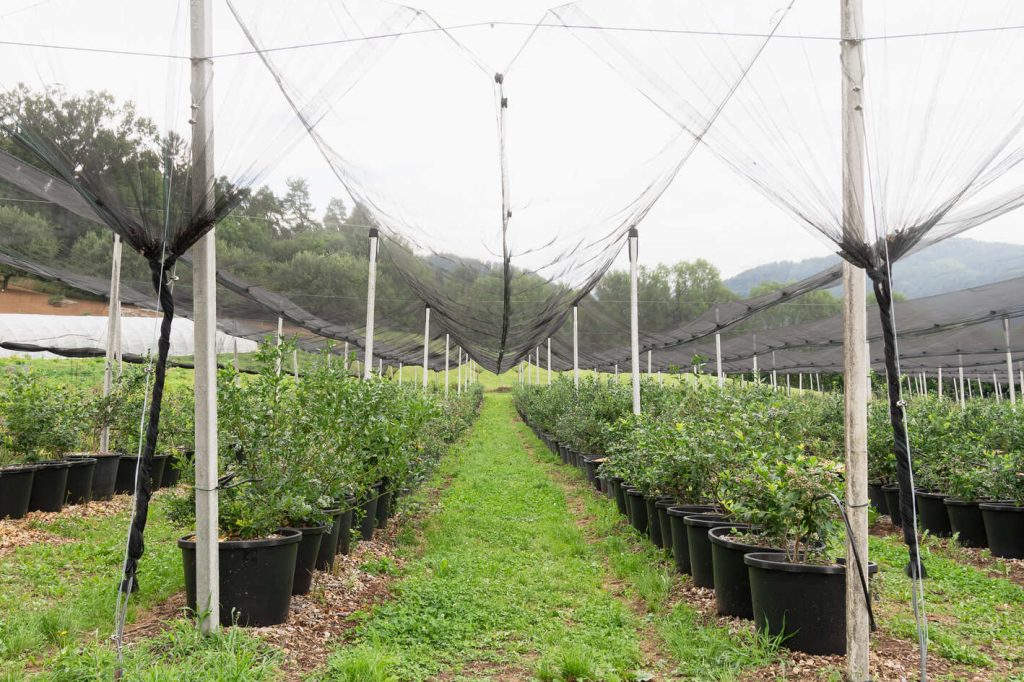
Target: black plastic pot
x=15 y=490
x=256 y=577
x=1004 y=526
x=680 y=548
x=664 y=525
x=653 y=522
x=369 y=508
x=931 y=514
x=732 y=580
x=172 y=470
x=125 y=483
x=80 y=475
x=49 y=486
x=637 y=510
x=892 y=503
x=804 y=603
x=306 y=556
x=384 y=504
x=590 y=468
x=345 y=528
x=966 y=520
x=619 y=494
x=563 y=452
x=329 y=541
x=702 y=567
x=104 y=475
x=877 y=498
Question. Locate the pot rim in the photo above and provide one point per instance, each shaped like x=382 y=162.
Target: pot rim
x=716 y=538
x=91 y=455
x=957 y=502
x=311 y=530
x=52 y=464
x=1001 y=507
x=777 y=561
x=707 y=520
x=81 y=461
x=19 y=469
x=890 y=486
x=291 y=536
x=931 y=495
x=685 y=510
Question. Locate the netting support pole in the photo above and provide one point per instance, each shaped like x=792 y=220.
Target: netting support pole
x=459 y=374
x=576 y=347
x=426 y=344
x=854 y=338
x=371 y=301
x=447 y=340
x=938 y=382
x=800 y=381
x=756 y=377
x=204 y=267
x=280 y=333
x=113 y=333
x=789 y=389
x=649 y=365
x=634 y=315
x=344 y=360
x=960 y=361
x=549 y=361
x=981 y=390
x=997 y=388
x=1009 y=362
x=295 y=364
x=775 y=377
x=400 y=372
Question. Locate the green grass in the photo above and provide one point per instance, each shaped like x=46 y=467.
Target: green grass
x=697 y=649
x=502 y=580
x=54 y=594
x=970 y=613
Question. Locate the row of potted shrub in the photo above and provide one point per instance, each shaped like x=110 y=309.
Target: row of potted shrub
x=968 y=470
x=306 y=467
x=50 y=433
x=713 y=476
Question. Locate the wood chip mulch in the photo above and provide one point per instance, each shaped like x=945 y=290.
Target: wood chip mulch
x=26 y=531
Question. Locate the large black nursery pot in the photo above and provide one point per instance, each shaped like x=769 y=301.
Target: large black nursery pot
x=891 y=492
x=661 y=507
x=174 y=465
x=104 y=474
x=306 y=556
x=967 y=521
x=563 y=452
x=637 y=510
x=616 y=484
x=384 y=503
x=80 y=475
x=256 y=577
x=1004 y=527
x=653 y=522
x=702 y=566
x=348 y=514
x=805 y=603
x=680 y=547
x=931 y=514
x=329 y=541
x=877 y=498
x=126 y=473
x=369 y=508
x=15 y=490
x=590 y=463
x=49 y=486
x=732 y=580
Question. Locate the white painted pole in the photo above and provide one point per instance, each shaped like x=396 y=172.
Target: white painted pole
x=775 y=377
x=204 y=264
x=446 y=342
x=344 y=360
x=576 y=347
x=295 y=364
x=855 y=365
x=371 y=302
x=280 y=335
x=963 y=402
x=938 y=381
x=426 y=344
x=380 y=367
x=401 y=368
x=113 y=332
x=549 y=361
x=789 y=389
x=757 y=377
x=981 y=391
x=997 y=387
x=1009 y=362
x=459 y=377
x=634 y=316
x=970 y=389
x=800 y=381
x=649 y=372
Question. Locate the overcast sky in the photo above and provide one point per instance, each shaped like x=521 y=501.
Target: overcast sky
x=417 y=126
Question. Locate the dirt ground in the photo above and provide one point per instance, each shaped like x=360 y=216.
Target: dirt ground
x=18 y=299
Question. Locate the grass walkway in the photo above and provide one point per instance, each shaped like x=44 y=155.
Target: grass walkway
x=503 y=586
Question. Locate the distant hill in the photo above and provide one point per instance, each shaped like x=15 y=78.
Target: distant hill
x=947 y=266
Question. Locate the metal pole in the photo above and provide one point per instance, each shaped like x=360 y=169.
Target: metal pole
x=446 y=342
x=426 y=344
x=113 y=327
x=855 y=364
x=998 y=389
x=459 y=382
x=295 y=364
x=576 y=347
x=400 y=372
x=649 y=372
x=344 y=360
x=775 y=378
x=371 y=302
x=549 y=361
x=204 y=284
x=757 y=377
x=938 y=381
x=1009 y=362
x=280 y=331
x=981 y=391
x=634 y=316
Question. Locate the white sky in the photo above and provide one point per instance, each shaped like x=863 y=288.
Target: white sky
x=420 y=134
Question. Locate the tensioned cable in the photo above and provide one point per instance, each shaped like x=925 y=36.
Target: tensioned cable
x=480 y=24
